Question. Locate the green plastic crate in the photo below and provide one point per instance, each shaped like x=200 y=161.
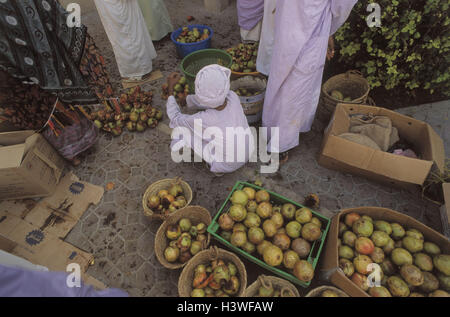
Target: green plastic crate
x=316 y=247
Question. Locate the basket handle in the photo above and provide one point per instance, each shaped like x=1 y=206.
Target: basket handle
x=371 y=102
x=177 y=180
x=265 y=283
x=214 y=252
x=287 y=290
x=353 y=72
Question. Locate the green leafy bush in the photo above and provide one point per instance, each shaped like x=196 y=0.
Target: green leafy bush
x=410 y=51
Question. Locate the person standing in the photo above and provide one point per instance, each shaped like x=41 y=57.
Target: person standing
x=250 y=14
x=267 y=38
x=126 y=30
x=156 y=18
x=46 y=71
x=302 y=35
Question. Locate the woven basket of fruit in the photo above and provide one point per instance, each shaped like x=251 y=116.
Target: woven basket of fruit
x=182 y=236
x=326 y=291
x=271 y=286
x=213 y=273
x=350 y=87
x=165 y=197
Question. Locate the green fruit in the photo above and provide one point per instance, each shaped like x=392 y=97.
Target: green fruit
x=266 y=291
x=264 y=210
x=423 y=261
x=411 y=274
x=336 y=94
x=349 y=238
x=249 y=247
x=416 y=294
x=347 y=267
x=293 y=229
x=262 y=246
x=273 y=255
x=269 y=227
x=401 y=256
x=239 y=227
x=415 y=234
x=380 y=238
x=412 y=244
x=346 y=252
x=389 y=246
x=196 y=247
x=238 y=238
x=185 y=224
x=431 y=248
x=444 y=281
x=252 y=206
x=363 y=227
x=288 y=211
x=430 y=283
x=384 y=226
x=282 y=241
x=304 y=271
x=239 y=197
x=290 y=258
x=226 y=235
x=303 y=215
x=238 y=212
x=442 y=263
x=388 y=267
x=361 y=262
x=342 y=228
x=311 y=232
x=377 y=255
x=198 y=292
x=252 y=220
x=379 y=291
x=398 y=287
x=397 y=231
x=255 y=235
x=277 y=219
x=347 y=99
x=171 y=254
x=439 y=293
x=301 y=247
x=367 y=218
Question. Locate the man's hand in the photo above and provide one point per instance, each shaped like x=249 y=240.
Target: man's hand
x=330 y=50
x=172 y=80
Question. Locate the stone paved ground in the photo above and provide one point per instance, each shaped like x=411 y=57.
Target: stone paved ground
x=122 y=238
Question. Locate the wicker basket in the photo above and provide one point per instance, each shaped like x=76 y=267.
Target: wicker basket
x=286 y=288
x=213 y=253
x=154 y=188
x=196 y=214
x=352 y=83
x=319 y=290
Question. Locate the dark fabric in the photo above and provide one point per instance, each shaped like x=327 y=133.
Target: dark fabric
x=37 y=46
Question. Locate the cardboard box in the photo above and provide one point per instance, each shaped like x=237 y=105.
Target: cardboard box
x=29 y=165
x=60 y=212
x=330 y=265
x=39 y=247
x=445 y=210
x=350 y=157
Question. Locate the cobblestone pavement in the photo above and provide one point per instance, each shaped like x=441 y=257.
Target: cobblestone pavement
x=122 y=238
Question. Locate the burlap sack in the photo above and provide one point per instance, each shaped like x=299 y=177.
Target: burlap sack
x=360 y=139
x=378 y=128
x=286 y=288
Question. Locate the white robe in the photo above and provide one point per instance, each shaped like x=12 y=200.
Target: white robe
x=302 y=30
x=232 y=116
x=126 y=29
x=267 y=38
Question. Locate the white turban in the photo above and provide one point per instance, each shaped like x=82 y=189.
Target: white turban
x=212 y=85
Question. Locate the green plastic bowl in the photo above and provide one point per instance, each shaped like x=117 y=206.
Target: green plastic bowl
x=194 y=62
x=316 y=247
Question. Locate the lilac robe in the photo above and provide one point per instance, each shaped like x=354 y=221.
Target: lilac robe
x=232 y=116
x=302 y=30
x=250 y=12
x=18 y=282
